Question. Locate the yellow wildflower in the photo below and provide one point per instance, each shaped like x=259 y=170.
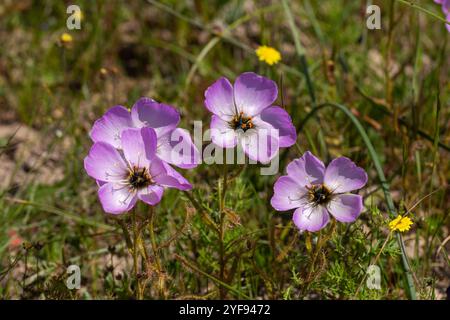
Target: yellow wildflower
x=268 y=54
x=400 y=223
x=66 y=38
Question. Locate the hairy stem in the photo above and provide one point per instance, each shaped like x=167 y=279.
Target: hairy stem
x=374 y=262
x=161 y=280
x=139 y=291
x=315 y=254
x=222 y=193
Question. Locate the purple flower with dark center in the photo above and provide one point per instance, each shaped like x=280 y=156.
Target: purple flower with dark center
x=244 y=114
x=174 y=145
x=134 y=172
x=315 y=191
x=445 y=4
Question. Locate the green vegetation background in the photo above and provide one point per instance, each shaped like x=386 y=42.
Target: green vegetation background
x=393 y=80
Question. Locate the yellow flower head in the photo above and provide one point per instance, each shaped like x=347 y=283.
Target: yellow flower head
x=400 y=223
x=66 y=38
x=268 y=54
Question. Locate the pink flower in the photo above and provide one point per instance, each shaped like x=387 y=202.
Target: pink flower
x=315 y=191
x=244 y=114
x=132 y=173
x=163 y=118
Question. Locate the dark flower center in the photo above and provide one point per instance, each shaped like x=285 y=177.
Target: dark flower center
x=139 y=178
x=240 y=121
x=319 y=194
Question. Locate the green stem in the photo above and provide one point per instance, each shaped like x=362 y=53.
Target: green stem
x=374 y=263
x=428 y=12
x=139 y=295
x=126 y=234
x=222 y=193
x=315 y=254
x=184 y=261
x=155 y=251
x=202 y=211
x=384 y=185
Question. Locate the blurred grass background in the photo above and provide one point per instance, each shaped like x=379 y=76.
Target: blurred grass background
x=395 y=80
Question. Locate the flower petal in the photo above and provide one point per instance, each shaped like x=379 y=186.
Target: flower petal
x=448 y=19
x=446 y=8
x=219 y=99
x=147 y=112
x=253 y=93
x=311 y=218
x=176 y=147
x=346 y=207
x=100 y=183
x=342 y=175
x=307 y=170
x=116 y=198
x=288 y=194
x=164 y=175
x=221 y=133
x=261 y=143
x=139 y=146
x=280 y=120
x=109 y=127
x=104 y=163
x=151 y=195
